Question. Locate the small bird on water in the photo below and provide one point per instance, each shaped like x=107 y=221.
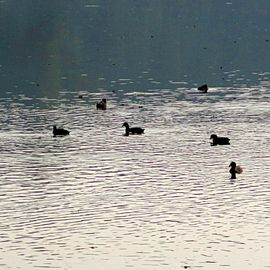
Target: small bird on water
x=102 y=105
x=203 y=88
x=219 y=140
x=234 y=170
x=59 y=131
x=133 y=130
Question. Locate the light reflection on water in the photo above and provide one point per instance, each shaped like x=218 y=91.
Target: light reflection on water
x=162 y=200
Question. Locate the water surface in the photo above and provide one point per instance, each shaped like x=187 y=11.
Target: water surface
x=162 y=200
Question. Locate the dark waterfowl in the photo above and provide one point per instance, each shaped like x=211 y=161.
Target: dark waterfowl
x=133 y=130
x=203 y=88
x=59 y=131
x=219 y=140
x=234 y=170
x=102 y=104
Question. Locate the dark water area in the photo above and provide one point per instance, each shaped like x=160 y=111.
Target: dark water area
x=162 y=200
x=46 y=47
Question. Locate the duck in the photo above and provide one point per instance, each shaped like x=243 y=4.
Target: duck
x=59 y=131
x=234 y=170
x=133 y=130
x=102 y=104
x=219 y=140
x=203 y=88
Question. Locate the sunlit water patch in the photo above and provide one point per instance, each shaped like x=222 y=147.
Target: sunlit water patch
x=162 y=200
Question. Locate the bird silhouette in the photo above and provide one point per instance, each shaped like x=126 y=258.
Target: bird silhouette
x=203 y=88
x=59 y=131
x=234 y=170
x=133 y=130
x=102 y=105
x=219 y=140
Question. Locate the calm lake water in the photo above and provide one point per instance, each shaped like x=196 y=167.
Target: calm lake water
x=99 y=200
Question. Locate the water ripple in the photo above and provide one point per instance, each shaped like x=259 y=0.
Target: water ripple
x=162 y=200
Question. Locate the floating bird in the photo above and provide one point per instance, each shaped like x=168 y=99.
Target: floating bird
x=102 y=104
x=133 y=130
x=203 y=88
x=219 y=140
x=234 y=170
x=59 y=131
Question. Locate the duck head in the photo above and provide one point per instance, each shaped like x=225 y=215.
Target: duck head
x=213 y=136
x=125 y=125
x=232 y=164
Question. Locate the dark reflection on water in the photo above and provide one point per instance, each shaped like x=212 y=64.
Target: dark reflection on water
x=162 y=200
x=49 y=46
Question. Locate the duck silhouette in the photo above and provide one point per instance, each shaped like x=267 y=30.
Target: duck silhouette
x=219 y=140
x=203 y=88
x=59 y=131
x=133 y=130
x=102 y=104
x=234 y=170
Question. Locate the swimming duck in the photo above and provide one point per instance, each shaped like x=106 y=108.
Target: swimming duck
x=133 y=130
x=219 y=140
x=234 y=170
x=59 y=131
x=203 y=88
x=102 y=104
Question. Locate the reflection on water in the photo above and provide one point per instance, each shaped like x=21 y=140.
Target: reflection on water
x=162 y=200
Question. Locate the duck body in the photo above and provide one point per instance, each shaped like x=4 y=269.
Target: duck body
x=219 y=140
x=59 y=131
x=233 y=170
x=102 y=105
x=203 y=88
x=133 y=130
